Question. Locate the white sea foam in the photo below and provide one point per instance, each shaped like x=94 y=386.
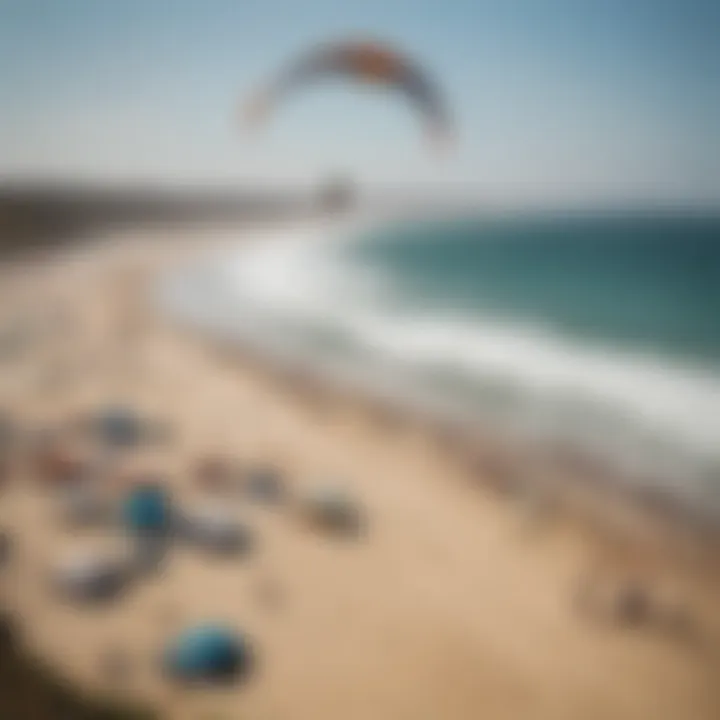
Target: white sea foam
x=647 y=412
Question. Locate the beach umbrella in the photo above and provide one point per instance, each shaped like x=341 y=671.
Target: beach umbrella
x=90 y=575
x=207 y=653
x=213 y=528
x=147 y=508
x=264 y=484
x=148 y=517
x=119 y=426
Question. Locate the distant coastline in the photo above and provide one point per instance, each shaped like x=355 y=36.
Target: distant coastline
x=40 y=216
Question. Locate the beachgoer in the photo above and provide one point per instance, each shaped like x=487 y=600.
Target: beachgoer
x=213 y=473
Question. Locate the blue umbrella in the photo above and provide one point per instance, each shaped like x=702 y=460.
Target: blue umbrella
x=147 y=509
x=207 y=652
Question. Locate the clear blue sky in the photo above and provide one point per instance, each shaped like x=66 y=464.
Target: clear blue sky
x=591 y=98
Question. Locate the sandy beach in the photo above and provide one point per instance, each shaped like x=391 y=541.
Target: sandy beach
x=450 y=607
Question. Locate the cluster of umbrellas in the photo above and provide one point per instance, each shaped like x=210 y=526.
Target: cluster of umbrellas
x=150 y=516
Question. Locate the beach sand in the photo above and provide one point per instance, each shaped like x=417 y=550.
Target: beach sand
x=449 y=608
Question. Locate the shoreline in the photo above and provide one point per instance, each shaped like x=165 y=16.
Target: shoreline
x=594 y=483
x=587 y=492
x=432 y=616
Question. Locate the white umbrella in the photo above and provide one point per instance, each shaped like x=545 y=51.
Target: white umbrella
x=213 y=528
x=90 y=575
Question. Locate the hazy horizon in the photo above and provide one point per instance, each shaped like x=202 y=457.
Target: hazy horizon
x=557 y=102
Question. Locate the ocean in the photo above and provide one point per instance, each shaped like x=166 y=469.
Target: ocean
x=601 y=330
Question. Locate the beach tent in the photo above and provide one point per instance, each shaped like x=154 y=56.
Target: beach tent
x=264 y=484
x=90 y=575
x=213 y=528
x=147 y=509
x=207 y=653
x=333 y=508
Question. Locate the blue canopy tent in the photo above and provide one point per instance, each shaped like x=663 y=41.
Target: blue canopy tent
x=207 y=653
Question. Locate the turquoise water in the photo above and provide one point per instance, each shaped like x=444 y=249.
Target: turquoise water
x=602 y=331
x=640 y=281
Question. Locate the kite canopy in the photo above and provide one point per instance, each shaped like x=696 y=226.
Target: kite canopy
x=366 y=62
x=207 y=653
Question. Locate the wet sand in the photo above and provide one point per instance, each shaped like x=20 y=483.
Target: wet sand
x=451 y=607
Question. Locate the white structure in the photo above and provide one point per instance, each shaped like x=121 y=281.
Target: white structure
x=213 y=528
x=90 y=575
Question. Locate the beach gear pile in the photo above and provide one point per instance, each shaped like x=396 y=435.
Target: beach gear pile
x=264 y=485
x=333 y=508
x=118 y=426
x=82 y=468
x=212 y=527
